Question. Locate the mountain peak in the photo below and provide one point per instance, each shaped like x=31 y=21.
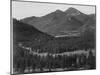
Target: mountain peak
x=71 y=8
x=58 y=11
x=54 y=13
x=72 y=11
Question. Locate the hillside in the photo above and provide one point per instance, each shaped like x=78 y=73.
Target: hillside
x=58 y=22
x=26 y=34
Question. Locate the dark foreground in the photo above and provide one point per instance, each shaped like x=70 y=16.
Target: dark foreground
x=33 y=62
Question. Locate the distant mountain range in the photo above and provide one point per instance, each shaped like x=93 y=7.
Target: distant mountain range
x=56 y=31
x=59 y=23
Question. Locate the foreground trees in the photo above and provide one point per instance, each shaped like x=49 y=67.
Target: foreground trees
x=36 y=63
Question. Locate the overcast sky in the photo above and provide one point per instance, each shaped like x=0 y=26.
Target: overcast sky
x=26 y=9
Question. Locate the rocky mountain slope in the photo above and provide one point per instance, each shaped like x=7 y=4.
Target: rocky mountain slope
x=60 y=22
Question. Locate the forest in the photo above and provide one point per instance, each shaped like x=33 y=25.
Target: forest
x=38 y=45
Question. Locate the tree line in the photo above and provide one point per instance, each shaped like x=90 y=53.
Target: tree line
x=67 y=62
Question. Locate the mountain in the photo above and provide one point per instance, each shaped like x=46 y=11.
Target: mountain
x=76 y=14
x=58 y=22
x=29 y=19
x=72 y=11
x=28 y=35
x=93 y=16
x=61 y=30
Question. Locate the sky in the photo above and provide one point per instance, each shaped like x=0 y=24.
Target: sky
x=26 y=9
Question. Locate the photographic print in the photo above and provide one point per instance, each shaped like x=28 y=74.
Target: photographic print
x=52 y=37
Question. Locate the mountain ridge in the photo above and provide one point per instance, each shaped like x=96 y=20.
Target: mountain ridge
x=55 y=23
